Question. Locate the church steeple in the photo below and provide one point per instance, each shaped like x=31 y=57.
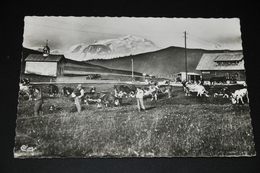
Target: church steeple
x=46 y=50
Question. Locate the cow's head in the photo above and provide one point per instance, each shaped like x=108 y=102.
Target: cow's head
x=233 y=98
x=132 y=94
x=117 y=102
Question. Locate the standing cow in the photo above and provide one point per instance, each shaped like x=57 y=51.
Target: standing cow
x=238 y=95
x=192 y=88
x=152 y=90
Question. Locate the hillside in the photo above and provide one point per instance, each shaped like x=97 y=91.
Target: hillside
x=167 y=61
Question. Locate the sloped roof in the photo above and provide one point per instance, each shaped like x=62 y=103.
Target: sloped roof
x=208 y=61
x=41 y=58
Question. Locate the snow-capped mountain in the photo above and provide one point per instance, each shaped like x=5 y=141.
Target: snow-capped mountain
x=110 y=48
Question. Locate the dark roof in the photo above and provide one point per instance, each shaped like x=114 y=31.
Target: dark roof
x=40 y=57
x=208 y=61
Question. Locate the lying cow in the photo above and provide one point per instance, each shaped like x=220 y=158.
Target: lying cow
x=124 y=90
x=107 y=99
x=53 y=90
x=239 y=95
x=67 y=91
x=223 y=92
x=199 y=89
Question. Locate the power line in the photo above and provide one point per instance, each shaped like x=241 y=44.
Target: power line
x=211 y=43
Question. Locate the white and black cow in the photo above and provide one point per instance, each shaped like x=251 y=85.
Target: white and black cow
x=165 y=89
x=194 y=88
x=67 y=91
x=26 y=90
x=25 y=81
x=239 y=95
x=53 y=90
x=223 y=92
x=152 y=91
x=124 y=90
x=108 y=99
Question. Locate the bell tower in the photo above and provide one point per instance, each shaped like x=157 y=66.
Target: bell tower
x=46 y=50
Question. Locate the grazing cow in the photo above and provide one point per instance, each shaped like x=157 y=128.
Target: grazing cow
x=121 y=90
x=67 y=91
x=223 y=92
x=239 y=95
x=199 y=89
x=53 y=90
x=26 y=90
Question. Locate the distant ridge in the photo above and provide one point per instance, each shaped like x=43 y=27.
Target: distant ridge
x=166 y=61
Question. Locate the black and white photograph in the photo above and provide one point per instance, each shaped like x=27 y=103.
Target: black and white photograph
x=132 y=87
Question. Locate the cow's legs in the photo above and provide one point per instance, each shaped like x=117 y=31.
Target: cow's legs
x=240 y=98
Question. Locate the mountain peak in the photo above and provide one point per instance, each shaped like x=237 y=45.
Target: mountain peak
x=110 y=48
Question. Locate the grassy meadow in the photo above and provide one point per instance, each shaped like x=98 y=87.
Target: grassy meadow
x=170 y=127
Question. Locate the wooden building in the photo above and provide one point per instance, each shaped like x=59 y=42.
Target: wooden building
x=229 y=66
x=46 y=67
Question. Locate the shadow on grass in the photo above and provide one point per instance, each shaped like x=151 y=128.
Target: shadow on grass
x=149 y=108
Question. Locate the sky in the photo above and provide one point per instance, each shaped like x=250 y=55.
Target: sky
x=64 y=32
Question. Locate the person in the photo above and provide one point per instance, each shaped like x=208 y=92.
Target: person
x=139 y=97
x=38 y=101
x=79 y=94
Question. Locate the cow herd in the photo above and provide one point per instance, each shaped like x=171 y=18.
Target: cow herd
x=120 y=91
x=237 y=96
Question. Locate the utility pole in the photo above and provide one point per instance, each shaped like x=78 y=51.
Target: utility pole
x=186 y=68
x=132 y=69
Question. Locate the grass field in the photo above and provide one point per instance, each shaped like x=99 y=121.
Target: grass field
x=175 y=127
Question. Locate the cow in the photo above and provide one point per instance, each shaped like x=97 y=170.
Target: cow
x=93 y=98
x=223 y=92
x=53 y=90
x=26 y=90
x=151 y=90
x=199 y=89
x=121 y=90
x=25 y=81
x=165 y=89
x=107 y=99
x=67 y=91
x=239 y=95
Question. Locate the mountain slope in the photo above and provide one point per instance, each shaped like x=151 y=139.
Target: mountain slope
x=164 y=62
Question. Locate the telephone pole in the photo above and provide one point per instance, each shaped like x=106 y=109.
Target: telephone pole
x=186 y=68
x=132 y=69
